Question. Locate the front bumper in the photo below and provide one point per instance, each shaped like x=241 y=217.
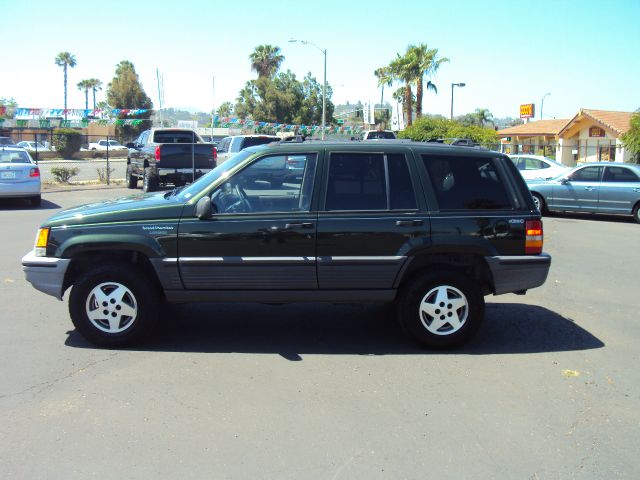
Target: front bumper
x=518 y=273
x=45 y=273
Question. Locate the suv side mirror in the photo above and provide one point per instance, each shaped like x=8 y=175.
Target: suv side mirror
x=204 y=210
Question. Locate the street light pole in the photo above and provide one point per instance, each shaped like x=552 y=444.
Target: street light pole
x=454 y=85
x=324 y=83
x=542 y=104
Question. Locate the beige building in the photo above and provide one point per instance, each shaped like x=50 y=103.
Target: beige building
x=590 y=136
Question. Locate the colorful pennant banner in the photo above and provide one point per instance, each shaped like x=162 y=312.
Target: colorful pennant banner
x=59 y=112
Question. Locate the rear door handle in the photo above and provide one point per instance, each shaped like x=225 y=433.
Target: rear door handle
x=297 y=226
x=409 y=223
x=636 y=190
x=589 y=189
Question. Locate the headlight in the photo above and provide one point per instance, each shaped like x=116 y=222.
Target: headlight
x=42 y=237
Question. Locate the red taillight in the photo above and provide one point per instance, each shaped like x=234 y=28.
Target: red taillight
x=158 y=153
x=215 y=154
x=533 y=239
x=34 y=172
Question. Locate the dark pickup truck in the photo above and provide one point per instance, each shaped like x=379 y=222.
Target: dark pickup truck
x=164 y=156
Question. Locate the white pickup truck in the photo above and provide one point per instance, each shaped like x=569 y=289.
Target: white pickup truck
x=106 y=145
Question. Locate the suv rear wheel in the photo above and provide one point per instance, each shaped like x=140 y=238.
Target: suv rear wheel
x=113 y=306
x=441 y=309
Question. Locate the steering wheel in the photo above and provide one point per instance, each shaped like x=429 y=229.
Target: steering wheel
x=244 y=199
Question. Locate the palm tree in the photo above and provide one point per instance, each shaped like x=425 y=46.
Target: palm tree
x=425 y=63
x=384 y=79
x=403 y=68
x=266 y=60
x=85 y=85
x=484 y=116
x=95 y=85
x=65 y=60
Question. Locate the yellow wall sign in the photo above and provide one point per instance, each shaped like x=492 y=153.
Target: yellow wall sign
x=527 y=111
x=596 y=132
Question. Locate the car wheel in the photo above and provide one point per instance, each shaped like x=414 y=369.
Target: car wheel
x=113 y=306
x=441 y=309
x=538 y=201
x=36 y=201
x=149 y=181
x=636 y=213
x=132 y=180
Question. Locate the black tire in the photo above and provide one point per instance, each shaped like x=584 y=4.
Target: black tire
x=124 y=290
x=36 y=201
x=132 y=180
x=539 y=202
x=636 y=213
x=149 y=181
x=461 y=309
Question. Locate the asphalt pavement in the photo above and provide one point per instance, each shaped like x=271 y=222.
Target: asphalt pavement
x=550 y=388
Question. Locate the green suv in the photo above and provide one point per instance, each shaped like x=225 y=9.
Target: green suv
x=434 y=228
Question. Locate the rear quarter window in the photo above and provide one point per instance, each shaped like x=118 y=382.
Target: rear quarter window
x=467 y=183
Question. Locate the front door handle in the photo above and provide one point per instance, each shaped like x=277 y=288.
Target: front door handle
x=297 y=226
x=589 y=189
x=409 y=223
x=637 y=190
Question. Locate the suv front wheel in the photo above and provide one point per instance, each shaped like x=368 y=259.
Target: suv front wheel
x=113 y=306
x=441 y=309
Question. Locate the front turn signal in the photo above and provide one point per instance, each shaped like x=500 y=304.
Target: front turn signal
x=42 y=238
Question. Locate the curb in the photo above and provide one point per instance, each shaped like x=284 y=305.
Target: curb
x=79 y=188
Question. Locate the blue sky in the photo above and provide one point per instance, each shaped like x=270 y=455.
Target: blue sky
x=584 y=53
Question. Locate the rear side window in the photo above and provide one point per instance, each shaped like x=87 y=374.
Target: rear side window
x=466 y=183
x=359 y=181
x=619 y=174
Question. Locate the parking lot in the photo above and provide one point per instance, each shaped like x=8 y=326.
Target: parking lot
x=549 y=388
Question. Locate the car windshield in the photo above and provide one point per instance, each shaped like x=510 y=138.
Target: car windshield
x=253 y=141
x=220 y=171
x=14 y=157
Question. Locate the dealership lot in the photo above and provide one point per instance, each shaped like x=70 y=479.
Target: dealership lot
x=549 y=388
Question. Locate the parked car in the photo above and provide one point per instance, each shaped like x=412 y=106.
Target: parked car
x=378 y=135
x=163 y=156
x=106 y=145
x=229 y=146
x=536 y=166
x=431 y=227
x=33 y=146
x=19 y=175
x=591 y=188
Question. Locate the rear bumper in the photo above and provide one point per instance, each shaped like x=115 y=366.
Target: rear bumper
x=26 y=188
x=518 y=273
x=45 y=273
x=180 y=175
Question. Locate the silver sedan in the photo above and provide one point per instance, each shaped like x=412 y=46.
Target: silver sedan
x=19 y=175
x=609 y=187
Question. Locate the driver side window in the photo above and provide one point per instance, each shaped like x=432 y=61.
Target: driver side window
x=272 y=184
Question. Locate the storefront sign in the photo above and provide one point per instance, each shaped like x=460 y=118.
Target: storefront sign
x=596 y=132
x=527 y=111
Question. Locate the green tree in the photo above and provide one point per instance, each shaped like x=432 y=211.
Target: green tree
x=404 y=70
x=125 y=92
x=427 y=128
x=225 y=109
x=65 y=60
x=266 y=60
x=631 y=138
x=484 y=116
x=385 y=79
x=424 y=62
x=85 y=85
x=95 y=85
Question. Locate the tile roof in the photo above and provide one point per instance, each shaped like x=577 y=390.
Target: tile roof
x=540 y=127
x=620 y=122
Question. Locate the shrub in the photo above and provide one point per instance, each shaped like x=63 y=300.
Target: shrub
x=425 y=129
x=67 y=141
x=64 y=174
x=103 y=174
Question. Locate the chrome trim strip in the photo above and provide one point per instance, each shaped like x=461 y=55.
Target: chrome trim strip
x=246 y=259
x=363 y=258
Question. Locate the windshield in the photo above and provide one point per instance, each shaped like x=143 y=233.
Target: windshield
x=206 y=180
